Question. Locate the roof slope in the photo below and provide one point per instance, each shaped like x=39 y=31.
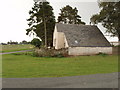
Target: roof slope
x=83 y=35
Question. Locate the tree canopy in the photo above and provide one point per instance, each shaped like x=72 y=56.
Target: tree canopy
x=109 y=16
x=36 y=42
x=69 y=15
x=41 y=15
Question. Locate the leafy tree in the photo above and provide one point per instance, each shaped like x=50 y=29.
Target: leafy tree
x=12 y=42
x=36 y=42
x=3 y=43
x=109 y=16
x=69 y=15
x=42 y=21
x=24 y=42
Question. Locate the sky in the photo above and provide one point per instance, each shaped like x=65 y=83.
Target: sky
x=15 y=12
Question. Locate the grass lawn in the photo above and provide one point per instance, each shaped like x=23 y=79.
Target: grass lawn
x=11 y=48
x=25 y=66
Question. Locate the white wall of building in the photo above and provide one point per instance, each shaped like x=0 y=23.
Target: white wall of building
x=66 y=43
x=54 y=36
x=89 y=50
x=59 y=40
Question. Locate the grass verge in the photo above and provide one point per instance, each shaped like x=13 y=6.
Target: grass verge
x=11 y=48
x=25 y=66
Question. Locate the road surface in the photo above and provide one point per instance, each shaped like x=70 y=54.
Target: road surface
x=84 y=81
x=14 y=52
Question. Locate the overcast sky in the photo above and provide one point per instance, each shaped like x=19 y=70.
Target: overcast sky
x=15 y=12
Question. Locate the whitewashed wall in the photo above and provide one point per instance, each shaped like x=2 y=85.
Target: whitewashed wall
x=89 y=50
x=59 y=40
x=54 y=37
x=66 y=43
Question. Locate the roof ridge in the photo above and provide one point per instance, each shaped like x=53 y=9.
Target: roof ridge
x=76 y=24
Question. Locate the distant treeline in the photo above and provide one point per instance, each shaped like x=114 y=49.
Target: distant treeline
x=13 y=42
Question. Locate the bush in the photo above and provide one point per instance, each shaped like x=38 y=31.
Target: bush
x=117 y=46
x=3 y=44
x=102 y=54
x=12 y=42
x=36 y=42
x=24 y=42
x=44 y=52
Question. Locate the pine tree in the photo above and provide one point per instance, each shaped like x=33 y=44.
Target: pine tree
x=69 y=15
x=42 y=18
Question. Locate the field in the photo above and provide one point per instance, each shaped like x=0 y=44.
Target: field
x=26 y=66
x=11 y=48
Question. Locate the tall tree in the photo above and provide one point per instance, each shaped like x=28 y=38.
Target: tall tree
x=42 y=21
x=69 y=15
x=109 y=16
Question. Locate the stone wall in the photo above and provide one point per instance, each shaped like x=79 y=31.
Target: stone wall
x=89 y=50
x=59 y=40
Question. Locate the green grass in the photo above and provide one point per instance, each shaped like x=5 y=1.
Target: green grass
x=25 y=66
x=11 y=48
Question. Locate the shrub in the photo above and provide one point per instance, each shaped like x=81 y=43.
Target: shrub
x=12 y=42
x=36 y=42
x=24 y=42
x=102 y=54
x=44 y=52
x=118 y=46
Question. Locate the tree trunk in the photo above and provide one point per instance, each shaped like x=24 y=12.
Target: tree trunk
x=44 y=26
x=45 y=33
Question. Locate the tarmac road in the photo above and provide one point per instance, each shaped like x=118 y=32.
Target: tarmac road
x=15 y=52
x=84 y=81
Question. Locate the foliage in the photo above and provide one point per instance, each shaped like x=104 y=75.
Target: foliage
x=102 y=54
x=117 y=46
x=36 y=42
x=12 y=42
x=24 y=42
x=26 y=66
x=44 y=52
x=69 y=15
x=3 y=44
x=109 y=16
x=41 y=15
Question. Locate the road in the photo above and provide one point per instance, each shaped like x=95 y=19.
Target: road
x=15 y=52
x=84 y=81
